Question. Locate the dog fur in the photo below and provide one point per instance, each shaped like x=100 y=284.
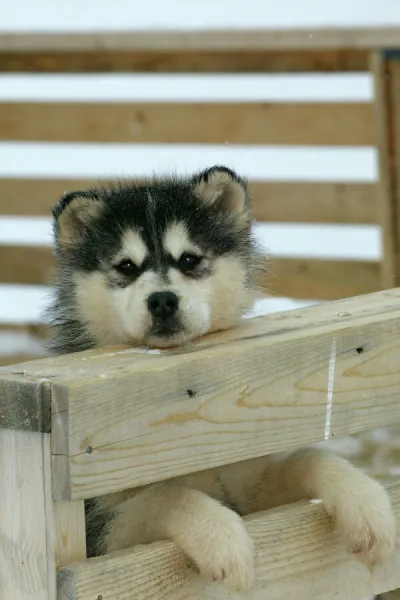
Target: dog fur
x=190 y=240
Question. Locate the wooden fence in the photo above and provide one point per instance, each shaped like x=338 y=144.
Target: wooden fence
x=305 y=123
x=249 y=400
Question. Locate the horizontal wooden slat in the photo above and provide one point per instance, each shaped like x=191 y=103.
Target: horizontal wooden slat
x=296 y=278
x=299 y=202
x=297 y=556
x=146 y=427
x=27 y=265
x=189 y=61
x=304 y=202
x=237 y=123
x=37 y=329
x=322 y=279
x=13 y=359
x=310 y=38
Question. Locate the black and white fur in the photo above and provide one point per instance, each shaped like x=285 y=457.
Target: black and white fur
x=160 y=264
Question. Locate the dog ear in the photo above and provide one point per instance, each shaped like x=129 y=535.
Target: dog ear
x=225 y=191
x=73 y=214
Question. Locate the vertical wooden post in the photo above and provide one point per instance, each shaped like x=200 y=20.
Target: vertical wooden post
x=37 y=535
x=27 y=554
x=385 y=68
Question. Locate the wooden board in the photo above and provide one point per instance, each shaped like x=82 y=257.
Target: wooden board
x=280 y=201
x=310 y=38
x=25 y=264
x=147 y=426
x=321 y=279
x=297 y=556
x=27 y=557
x=387 y=126
x=327 y=124
x=175 y=61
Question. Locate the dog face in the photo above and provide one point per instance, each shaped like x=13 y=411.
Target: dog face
x=159 y=263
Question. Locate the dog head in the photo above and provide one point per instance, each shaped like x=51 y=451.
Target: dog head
x=158 y=263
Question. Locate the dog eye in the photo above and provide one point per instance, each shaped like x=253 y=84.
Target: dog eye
x=126 y=267
x=189 y=261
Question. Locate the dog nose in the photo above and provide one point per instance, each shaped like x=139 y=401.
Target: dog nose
x=162 y=304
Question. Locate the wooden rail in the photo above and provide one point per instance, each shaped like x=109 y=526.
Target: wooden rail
x=91 y=423
x=297 y=556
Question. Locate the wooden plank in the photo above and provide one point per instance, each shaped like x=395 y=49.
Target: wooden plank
x=175 y=61
x=69 y=532
x=14 y=359
x=297 y=278
x=386 y=207
x=321 y=279
x=27 y=559
x=25 y=264
x=387 y=119
x=38 y=329
x=309 y=202
x=310 y=38
x=297 y=556
x=147 y=427
x=280 y=201
x=327 y=124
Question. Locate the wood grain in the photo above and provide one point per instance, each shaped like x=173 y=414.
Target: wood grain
x=176 y=61
x=69 y=532
x=309 y=38
x=277 y=201
x=133 y=411
x=297 y=556
x=27 y=560
x=327 y=124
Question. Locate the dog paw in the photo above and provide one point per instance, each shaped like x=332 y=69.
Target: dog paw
x=366 y=521
x=222 y=549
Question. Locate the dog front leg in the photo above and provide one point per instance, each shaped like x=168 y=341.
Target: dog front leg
x=213 y=536
x=358 y=505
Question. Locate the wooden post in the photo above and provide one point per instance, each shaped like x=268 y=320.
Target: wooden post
x=386 y=71
x=36 y=534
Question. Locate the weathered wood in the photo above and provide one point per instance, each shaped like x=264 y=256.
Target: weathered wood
x=327 y=124
x=321 y=279
x=24 y=405
x=297 y=278
x=125 y=418
x=189 y=61
x=310 y=38
x=297 y=556
x=299 y=202
x=27 y=558
x=387 y=118
x=69 y=532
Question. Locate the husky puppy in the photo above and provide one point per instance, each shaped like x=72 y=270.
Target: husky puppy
x=160 y=264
